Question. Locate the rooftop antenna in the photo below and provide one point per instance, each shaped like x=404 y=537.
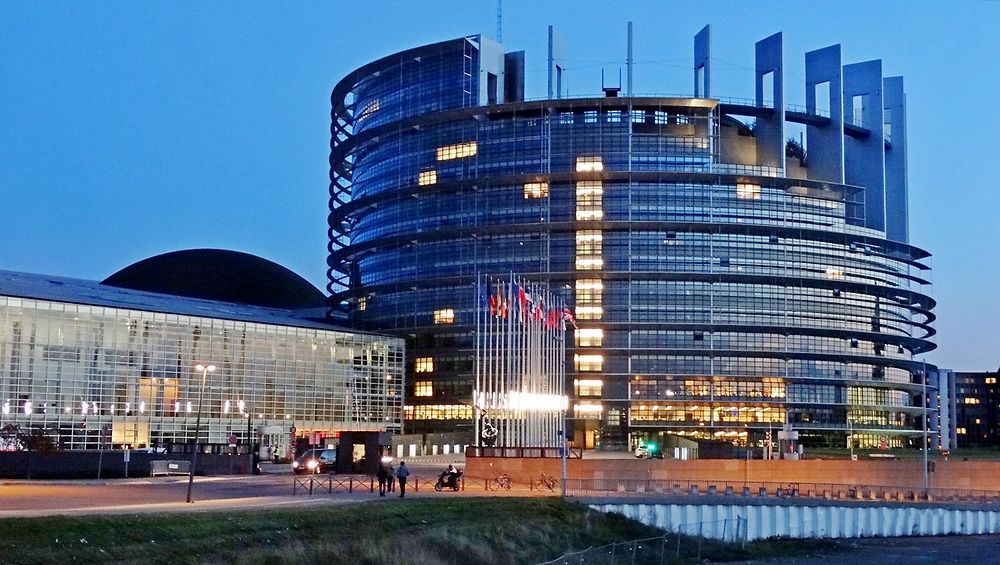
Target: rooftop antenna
x=499 y=21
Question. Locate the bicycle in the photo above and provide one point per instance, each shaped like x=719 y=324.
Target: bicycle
x=502 y=481
x=547 y=482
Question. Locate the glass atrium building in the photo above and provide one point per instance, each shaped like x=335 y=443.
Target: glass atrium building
x=726 y=279
x=91 y=364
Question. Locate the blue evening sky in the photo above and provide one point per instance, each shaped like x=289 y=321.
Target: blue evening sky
x=129 y=129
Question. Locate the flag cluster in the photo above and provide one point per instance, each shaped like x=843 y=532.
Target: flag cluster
x=523 y=304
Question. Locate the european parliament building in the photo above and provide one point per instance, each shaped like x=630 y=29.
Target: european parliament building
x=114 y=364
x=726 y=279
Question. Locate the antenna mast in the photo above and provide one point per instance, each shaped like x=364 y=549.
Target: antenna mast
x=499 y=21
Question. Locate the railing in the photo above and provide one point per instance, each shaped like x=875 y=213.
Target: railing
x=827 y=491
x=523 y=452
x=683 y=544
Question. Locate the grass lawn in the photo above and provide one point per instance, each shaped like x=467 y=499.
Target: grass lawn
x=479 y=531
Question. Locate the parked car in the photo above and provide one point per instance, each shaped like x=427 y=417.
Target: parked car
x=648 y=452
x=315 y=461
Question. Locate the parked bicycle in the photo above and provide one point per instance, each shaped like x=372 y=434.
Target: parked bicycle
x=545 y=481
x=502 y=481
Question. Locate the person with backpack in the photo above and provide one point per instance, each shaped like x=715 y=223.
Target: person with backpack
x=401 y=473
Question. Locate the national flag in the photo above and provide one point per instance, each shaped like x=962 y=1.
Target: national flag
x=552 y=319
x=569 y=317
x=492 y=299
x=515 y=293
x=501 y=308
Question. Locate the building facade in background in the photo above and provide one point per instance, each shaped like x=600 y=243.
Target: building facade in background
x=112 y=364
x=725 y=279
x=977 y=409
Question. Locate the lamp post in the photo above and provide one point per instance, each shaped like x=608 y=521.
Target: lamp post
x=205 y=370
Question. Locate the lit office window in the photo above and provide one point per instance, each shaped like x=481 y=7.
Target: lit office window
x=746 y=191
x=423 y=388
x=585 y=411
x=991 y=380
x=362 y=303
x=589 y=164
x=589 y=337
x=444 y=316
x=457 y=151
x=589 y=291
x=833 y=273
x=536 y=190
x=588 y=387
x=438 y=412
x=589 y=312
x=427 y=178
x=971 y=400
x=588 y=362
x=423 y=365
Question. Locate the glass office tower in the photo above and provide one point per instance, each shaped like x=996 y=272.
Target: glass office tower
x=725 y=279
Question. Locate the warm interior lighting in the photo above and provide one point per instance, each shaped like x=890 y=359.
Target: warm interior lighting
x=426 y=178
x=444 y=316
x=423 y=365
x=589 y=337
x=834 y=273
x=457 y=151
x=536 y=190
x=589 y=164
x=589 y=312
x=745 y=191
x=588 y=362
x=423 y=388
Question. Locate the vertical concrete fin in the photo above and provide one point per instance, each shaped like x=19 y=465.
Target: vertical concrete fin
x=825 y=143
x=556 y=64
x=703 y=63
x=864 y=157
x=770 y=130
x=897 y=215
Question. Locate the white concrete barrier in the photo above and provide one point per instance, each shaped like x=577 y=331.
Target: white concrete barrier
x=751 y=522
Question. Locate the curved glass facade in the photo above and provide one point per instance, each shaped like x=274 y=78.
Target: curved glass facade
x=715 y=297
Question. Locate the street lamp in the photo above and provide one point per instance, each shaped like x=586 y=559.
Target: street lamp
x=205 y=370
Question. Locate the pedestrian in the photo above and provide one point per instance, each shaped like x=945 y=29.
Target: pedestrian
x=383 y=479
x=392 y=478
x=401 y=474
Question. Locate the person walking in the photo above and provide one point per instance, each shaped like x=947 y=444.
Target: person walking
x=383 y=479
x=401 y=474
x=391 y=479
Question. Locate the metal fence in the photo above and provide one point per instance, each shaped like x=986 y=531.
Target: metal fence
x=829 y=491
x=685 y=542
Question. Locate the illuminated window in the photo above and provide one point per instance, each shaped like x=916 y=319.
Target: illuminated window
x=589 y=164
x=748 y=191
x=589 y=337
x=438 y=412
x=588 y=291
x=979 y=421
x=589 y=246
x=589 y=200
x=423 y=388
x=971 y=400
x=424 y=365
x=960 y=431
x=427 y=178
x=536 y=190
x=587 y=410
x=362 y=303
x=589 y=312
x=457 y=151
x=444 y=316
x=991 y=380
x=369 y=109
x=832 y=273
x=588 y=387
x=588 y=362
